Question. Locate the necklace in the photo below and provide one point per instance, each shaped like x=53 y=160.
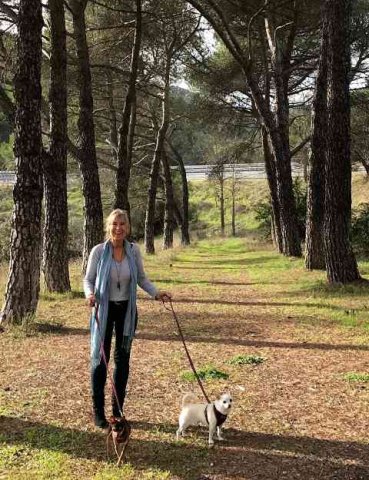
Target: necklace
x=118 y=273
x=118 y=269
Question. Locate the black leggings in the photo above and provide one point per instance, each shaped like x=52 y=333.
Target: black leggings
x=116 y=314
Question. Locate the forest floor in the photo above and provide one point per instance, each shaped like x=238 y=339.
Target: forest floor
x=302 y=412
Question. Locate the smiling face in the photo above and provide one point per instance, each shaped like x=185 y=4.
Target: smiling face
x=118 y=228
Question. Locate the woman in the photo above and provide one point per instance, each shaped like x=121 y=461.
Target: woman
x=114 y=270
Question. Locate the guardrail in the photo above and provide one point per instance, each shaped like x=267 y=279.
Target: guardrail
x=201 y=172
x=245 y=170
x=7 y=177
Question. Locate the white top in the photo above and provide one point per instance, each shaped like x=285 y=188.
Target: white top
x=119 y=274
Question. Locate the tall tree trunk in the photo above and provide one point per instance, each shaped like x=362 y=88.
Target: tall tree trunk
x=314 y=254
x=113 y=131
x=127 y=125
x=55 y=246
x=22 y=290
x=279 y=140
x=185 y=235
x=272 y=182
x=221 y=202
x=155 y=165
x=365 y=164
x=169 y=203
x=93 y=227
x=278 y=131
x=233 y=213
x=340 y=260
x=276 y=127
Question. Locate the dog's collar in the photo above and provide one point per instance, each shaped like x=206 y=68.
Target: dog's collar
x=221 y=417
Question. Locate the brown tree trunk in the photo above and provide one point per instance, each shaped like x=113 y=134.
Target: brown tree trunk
x=278 y=138
x=221 y=202
x=272 y=182
x=365 y=164
x=233 y=214
x=155 y=166
x=113 y=130
x=23 y=284
x=277 y=126
x=169 y=203
x=55 y=246
x=314 y=241
x=185 y=235
x=340 y=260
x=93 y=226
x=127 y=126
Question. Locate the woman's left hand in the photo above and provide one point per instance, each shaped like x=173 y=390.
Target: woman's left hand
x=163 y=296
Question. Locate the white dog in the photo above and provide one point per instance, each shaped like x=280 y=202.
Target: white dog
x=209 y=414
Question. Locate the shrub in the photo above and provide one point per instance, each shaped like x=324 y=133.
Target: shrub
x=5 y=228
x=360 y=229
x=264 y=210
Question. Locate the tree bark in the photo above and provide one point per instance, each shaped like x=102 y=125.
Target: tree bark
x=22 y=290
x=169 y=203
x=55 y=246
x=127 y=126
x=276 y=124
x=233 y=213
x=278 y=132
x=93 y=226
x=340 y=260
x=113 y=130
x=155 y=166
x=185 y=235
x=221 y=203
x=272 y=182
x=314 y=241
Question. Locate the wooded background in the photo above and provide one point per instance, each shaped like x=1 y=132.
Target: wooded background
x=133 y=88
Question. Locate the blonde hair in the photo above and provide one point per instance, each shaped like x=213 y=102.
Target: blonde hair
x=110 y=219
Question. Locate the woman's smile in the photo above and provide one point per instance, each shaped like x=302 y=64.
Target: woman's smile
x=118 y=229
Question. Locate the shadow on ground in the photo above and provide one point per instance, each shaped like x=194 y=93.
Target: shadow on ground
x=245 y=455
x=251 y=343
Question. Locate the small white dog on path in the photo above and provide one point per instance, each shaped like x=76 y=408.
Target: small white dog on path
x=209 y=414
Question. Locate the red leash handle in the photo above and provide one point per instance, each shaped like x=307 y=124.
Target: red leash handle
x=171 y=309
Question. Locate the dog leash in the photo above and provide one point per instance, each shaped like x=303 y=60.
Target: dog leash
x=102 y=351
x=171 y=309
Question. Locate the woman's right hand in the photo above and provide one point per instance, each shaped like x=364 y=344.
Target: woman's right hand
x=91 y=300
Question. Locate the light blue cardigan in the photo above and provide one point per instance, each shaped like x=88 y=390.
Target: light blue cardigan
x=101 y=291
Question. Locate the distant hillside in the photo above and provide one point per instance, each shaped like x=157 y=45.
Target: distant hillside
x=204 y=208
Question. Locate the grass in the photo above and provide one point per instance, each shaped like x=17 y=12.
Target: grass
x=239 y=303
x=357 y=377
x=246 y=360
x=208 y=372
x=204 y=203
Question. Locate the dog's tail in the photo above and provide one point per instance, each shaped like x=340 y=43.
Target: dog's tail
x=188 y=398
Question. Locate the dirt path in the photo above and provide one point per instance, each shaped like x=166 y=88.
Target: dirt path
x=294 y=415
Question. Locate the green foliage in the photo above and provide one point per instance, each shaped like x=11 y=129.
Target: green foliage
x=6 y=153
x=205 y=208
x=6 y=207
x=357 y=377
x=360 y=229
x=264 y=209
x=246 y=360
x=208 y=372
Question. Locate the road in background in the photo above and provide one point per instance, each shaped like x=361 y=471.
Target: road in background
x=201 y=172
